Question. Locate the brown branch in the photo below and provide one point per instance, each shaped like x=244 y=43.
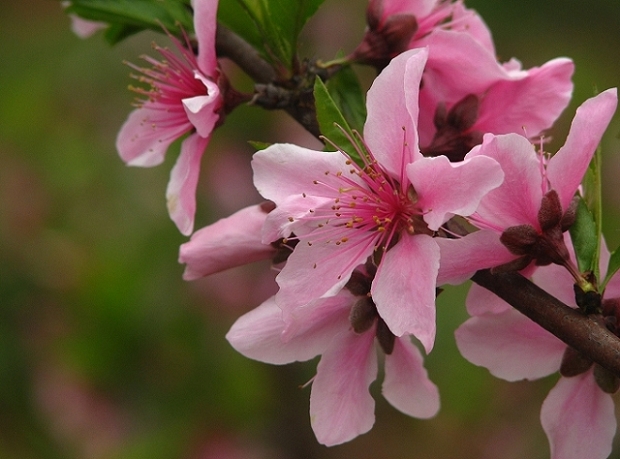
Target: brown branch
x=229 y=44
x=579 y=331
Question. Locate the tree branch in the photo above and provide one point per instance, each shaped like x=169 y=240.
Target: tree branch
x=579 y=331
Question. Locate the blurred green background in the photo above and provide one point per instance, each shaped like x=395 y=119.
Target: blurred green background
x=106 y=353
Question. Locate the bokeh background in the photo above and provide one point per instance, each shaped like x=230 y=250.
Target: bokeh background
x=105 y=353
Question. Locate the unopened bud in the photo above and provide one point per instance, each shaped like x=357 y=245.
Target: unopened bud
x=606 y=380
x=385 y=337
x=574 y=363
x=363 y=314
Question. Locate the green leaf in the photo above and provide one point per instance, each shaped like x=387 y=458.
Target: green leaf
x=278 y=23
x=330 y=118
x=345 y=89
x=592 y=193
x=585 y=239
x=612 y=267
x=258 y=145
x=130 y=16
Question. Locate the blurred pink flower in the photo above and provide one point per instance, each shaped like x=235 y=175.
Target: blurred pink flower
x=83 y=28
x=511 y=214
x=184 y=98
x=577 y=415
x=342 y=329
x=342 y=213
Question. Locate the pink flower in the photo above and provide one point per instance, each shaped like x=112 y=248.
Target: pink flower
x=577 y=415
x=342 y=329
x=227 y=243
x=341 y=213
x=184 y=98
x=467 y=93
x=524 y=218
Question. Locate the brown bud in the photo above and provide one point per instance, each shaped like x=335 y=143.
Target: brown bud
x=574 y=363
x=359 y=284
x=385 y=337
x=569 y=217
x=606 y=380
x=519 y=239
x=464 y=113
x=588 y=302
x=363 y=314
x=550 y=213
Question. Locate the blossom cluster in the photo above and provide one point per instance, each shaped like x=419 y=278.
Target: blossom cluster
x=446 y=179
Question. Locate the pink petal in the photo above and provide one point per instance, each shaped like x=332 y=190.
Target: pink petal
x=579 y=419
x=527 y=102
x=341 y=407
x=462 y=257
x=404 y=288
x=283 y=170
x=556 y=280
x=481 y=301
x=205 y=25
x=142 y=141
x=446 y=189
x=510 y=346
x=392 y=101
x=470 y=22
x=568 y=166
x=202 y=110
x=406 y=385
x=229 y=242
x=319 y=270
x=181 y=191
x=517 y=200
x=258 y=334
x=418 y=8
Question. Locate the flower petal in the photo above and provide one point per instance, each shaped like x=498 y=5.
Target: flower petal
x=202 y=110
x=579 y=419
x=517 y=200
x=181 y=190
x=143 y=142
x=258 y=334
x=528 y=101
x=283 y=170
x=568 y=166
x=462 y=257
x=229 y=242
x=341 y=408
x=481 y=301
x=510 y=346
x=446 y=189
x=205 y=25
x=390 y=130
x=404 y=288
x=406 y=385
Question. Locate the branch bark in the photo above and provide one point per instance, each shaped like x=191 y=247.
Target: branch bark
x=579 y=331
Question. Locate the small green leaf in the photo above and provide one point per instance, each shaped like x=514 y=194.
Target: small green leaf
x=585 y=239
x=258 y=145
x=592 y=193
x=612 y=267
x=278 y=23
x=332 y=123
x=130 y=16
x=345 y=89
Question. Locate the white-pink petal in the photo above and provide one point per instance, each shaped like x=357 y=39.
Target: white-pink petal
x=568 y=166
x=229 y=242
x=446 y=189
x=181 y=190
x=481 y=301
x=510 y=346
x=404 y=288
x=579 y=419
x=341 y=408
x=406 y=385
